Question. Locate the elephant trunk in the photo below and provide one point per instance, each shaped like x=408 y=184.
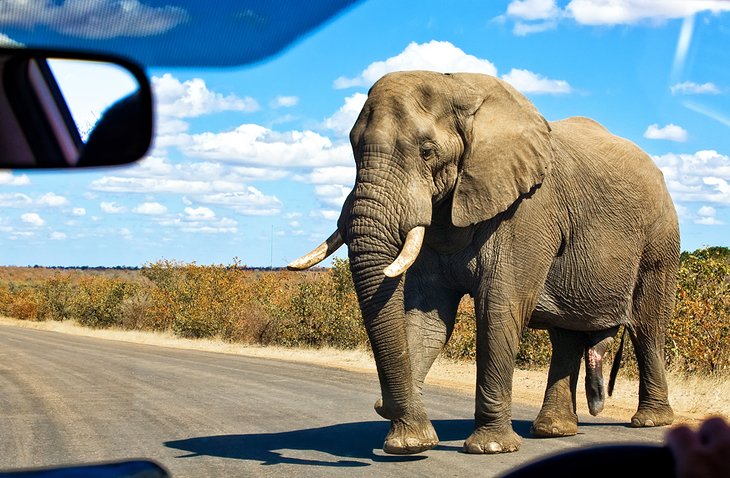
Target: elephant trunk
x=384 y=232
x=381 y=303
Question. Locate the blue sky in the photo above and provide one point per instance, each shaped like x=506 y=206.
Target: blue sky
x=253 y=163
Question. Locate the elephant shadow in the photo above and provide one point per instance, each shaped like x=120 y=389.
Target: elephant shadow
x=353 y=444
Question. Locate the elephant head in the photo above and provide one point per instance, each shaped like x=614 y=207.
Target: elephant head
x=425 y=140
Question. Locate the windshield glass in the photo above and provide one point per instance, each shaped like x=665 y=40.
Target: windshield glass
x=255 y=162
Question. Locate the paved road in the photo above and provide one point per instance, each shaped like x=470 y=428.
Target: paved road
x=69 y=399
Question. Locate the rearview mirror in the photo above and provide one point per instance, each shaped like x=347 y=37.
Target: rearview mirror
x=63 y=109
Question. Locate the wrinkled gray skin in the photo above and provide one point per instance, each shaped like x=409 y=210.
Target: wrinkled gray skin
x=561 y=419
x=559 y=224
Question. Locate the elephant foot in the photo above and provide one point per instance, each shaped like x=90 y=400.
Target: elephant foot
x=490 y=441
x=407 y=438
x=550 y=425
x=653 y=417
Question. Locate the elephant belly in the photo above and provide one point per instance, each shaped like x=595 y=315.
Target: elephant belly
x=585 y=298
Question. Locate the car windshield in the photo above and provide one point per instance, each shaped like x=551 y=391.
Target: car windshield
x=252 y=165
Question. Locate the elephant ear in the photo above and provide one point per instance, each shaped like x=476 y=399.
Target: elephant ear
x=507 y=148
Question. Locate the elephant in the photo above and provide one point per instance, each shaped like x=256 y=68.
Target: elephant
x=463 y=187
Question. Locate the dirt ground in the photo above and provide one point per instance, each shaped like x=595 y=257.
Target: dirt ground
x=692 y=398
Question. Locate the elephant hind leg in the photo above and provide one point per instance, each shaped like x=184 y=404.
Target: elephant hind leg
x=558 y=416
x=653 y=306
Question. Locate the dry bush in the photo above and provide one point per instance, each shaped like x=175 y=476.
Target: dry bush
x=56 y=297
x=209 y=301
x=135 y=310
x=699 y=332
x=97 y=301
x=24 y=303
x=462 y=343
x=320 y=308
x=322 y=311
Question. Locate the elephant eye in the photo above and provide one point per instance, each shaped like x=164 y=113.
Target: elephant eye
x=428 y=152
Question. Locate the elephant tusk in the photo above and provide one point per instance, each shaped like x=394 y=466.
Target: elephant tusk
x=319 y=254
x=408 y=254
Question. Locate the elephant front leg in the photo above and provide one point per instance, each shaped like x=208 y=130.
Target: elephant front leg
x=558 y=416
x=430 y=315
x=498 y=332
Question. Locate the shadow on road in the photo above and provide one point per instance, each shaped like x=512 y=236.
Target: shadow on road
x=347 y=442
x=343 y=445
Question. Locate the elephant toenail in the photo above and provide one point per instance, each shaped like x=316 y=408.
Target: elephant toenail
x=493 y=447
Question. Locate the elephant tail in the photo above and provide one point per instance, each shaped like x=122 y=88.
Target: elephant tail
x=616 y=364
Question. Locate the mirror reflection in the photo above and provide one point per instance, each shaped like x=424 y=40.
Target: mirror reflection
x=90 y=88
x=63 y=111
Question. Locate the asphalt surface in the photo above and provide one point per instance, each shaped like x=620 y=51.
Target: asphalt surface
x=67 y=399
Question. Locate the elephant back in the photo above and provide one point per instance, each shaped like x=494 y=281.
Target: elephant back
x=592 y=163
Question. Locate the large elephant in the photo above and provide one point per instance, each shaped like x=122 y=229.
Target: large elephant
x=562 y=225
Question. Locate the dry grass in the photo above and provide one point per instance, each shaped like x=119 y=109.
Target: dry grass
x=692 y=397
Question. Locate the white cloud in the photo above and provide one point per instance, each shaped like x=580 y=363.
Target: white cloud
x=15 y=200
x=57 y=236
x=522 y=29
x=532 y=16
x=707 y=216
x=706 y=211
x=150 y=209
x=344 y=175
x=93 y=18
x=332 y=194
x=157 y=185
x=670 y=132
x=170 y=129
x=15 y=235
x=32 y=218
x=251 y=202
x=52 y=200
x=78 y=211
x=700 y=177
x=691 y=88
x=328 y=214
x=255 y=145
x=616 y=12
x=342 y=121
x=20 y=200
x=7 y=178
x=112 y=208
x=708 y=221
x=528 y=82
x=199 y=213
x=259 y=174
x=209 y=226
x=285 y=101
x=192 y=98
x=435 y=55
x=533 y=9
